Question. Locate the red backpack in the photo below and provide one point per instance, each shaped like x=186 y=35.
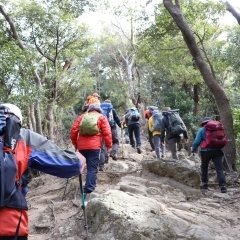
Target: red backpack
x=215 y=136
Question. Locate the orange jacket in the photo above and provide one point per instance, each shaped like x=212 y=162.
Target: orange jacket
x=147 y=114
x=83 y=142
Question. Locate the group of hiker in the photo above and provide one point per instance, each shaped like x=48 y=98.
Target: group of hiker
x=94 y=136
x=169 y=127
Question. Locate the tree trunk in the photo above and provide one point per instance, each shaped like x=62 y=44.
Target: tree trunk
x=50 y=121
x=219 y=95
x=233 y=12
x=38 y=118
x=32 y=116
x=29 y=121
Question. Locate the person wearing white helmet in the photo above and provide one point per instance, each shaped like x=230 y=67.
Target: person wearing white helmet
x=12 y=109
x=30 y=150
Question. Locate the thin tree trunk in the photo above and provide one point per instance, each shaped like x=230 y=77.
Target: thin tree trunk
x=50 y=121
x=38 y=118
x=32 y=116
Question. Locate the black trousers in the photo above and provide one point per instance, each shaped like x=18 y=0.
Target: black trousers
x=216 y=157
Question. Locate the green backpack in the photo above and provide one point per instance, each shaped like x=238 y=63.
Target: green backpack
x=88 y=125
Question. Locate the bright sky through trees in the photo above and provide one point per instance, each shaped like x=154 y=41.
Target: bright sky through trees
x=95 y=20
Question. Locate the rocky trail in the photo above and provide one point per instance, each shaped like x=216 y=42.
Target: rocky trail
x=137 y=198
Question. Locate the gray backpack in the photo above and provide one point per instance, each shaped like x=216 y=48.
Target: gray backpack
x=157 y=119
x=176 y=124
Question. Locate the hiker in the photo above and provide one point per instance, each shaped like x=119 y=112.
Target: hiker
x=208 y=154
x=154 y=124
x=172 y=139
x=87 y=133
x=132 y=120
x=113 y=119
x=147 y=115
x=86 y=103
x=23 y=148
x=97 y=97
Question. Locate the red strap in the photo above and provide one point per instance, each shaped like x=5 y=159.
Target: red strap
x=7 y=149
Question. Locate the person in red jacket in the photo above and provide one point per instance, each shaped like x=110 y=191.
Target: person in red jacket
x=89 y=145
x=32 y=150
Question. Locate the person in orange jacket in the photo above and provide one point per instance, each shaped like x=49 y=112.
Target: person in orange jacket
x=32 y=150
x=90 y=145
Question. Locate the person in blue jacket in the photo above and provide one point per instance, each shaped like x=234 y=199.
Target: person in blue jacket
x=30 y=150
x=208 y=154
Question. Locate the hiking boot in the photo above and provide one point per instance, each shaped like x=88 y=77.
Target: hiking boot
x=101 y=168
x=223 y=188
x=204 y=185
x=127 y=141
x=113 y=156
x=138 y=149
x=106 y=159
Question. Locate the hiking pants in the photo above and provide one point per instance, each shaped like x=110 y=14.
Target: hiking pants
x=150 y=139
x=134 y=129
x=126 y=135
x=172 y=143
x=103 y=154
x=92 y=161
x=115 y=140
x=216 y=157
x=159 y=148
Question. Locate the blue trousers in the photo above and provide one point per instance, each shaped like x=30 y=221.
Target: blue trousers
x=92 y=162
x=134 y=129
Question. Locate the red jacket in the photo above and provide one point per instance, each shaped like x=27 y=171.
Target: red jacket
x=34 y=150
x=83 y=142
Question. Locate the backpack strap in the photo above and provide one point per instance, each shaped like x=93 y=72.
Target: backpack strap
x=2 y=176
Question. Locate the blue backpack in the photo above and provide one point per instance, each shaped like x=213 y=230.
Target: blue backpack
x=133 y=115
x=107 y=111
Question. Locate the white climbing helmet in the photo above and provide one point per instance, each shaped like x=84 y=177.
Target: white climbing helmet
x=13 y=109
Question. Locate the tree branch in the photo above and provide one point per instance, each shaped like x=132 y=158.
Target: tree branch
x=13 y=28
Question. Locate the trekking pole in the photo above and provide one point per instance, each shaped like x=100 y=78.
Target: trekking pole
x=230 y=169
x=65 y=189
x=83 y=206
x=194 y=159
x=122 y=141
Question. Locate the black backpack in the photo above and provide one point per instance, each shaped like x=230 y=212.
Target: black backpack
x=176 y=124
